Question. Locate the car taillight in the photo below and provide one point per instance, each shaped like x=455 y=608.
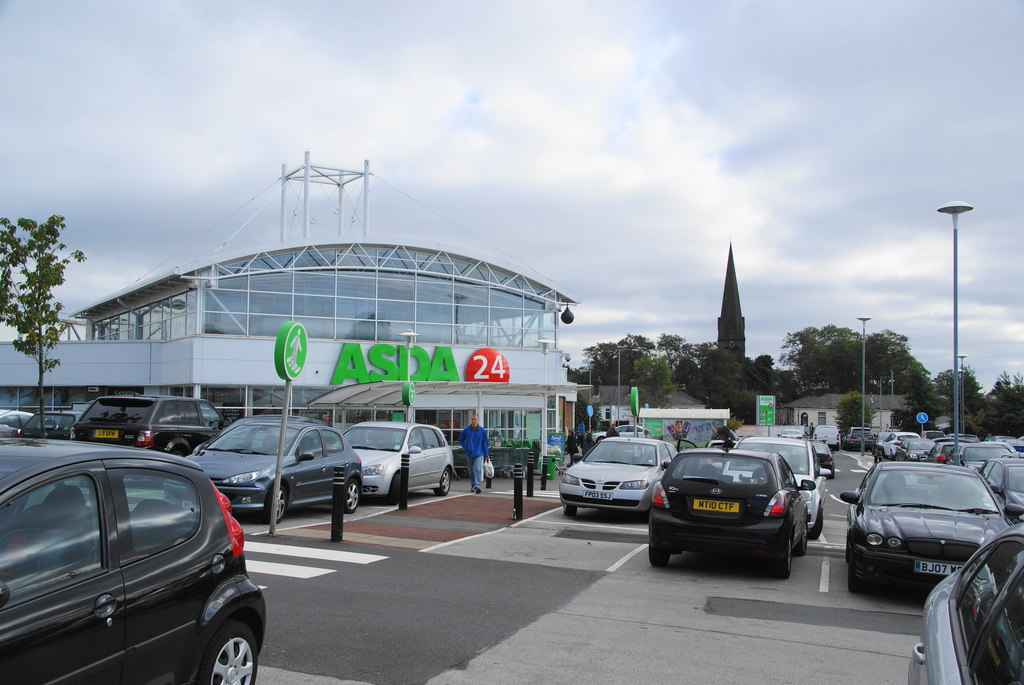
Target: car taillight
x=659 y=499
x=144 y=439
x=235 y=531
x=940 y=458
x=777 y=506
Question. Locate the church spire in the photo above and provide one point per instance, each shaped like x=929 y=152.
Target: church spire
x=731 y=328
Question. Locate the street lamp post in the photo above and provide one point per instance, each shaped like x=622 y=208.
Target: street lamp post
x=409 y=336
x=863 y=366
x=544 y=342
x=955 y=209
x=963 y=391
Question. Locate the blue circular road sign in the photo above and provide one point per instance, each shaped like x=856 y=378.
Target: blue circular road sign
x=922 y=417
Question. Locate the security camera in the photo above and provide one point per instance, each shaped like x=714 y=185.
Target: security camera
x=566 y=357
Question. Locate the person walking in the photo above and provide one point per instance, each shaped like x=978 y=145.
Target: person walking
x=473 y=439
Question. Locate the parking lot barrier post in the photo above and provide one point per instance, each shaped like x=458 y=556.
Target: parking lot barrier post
x=338 y=504
x=403 y=487
x=543 y=471
x=517 y=492
x=531 y=460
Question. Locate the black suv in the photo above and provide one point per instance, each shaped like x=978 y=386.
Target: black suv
x=120 y=565
x=169 y=424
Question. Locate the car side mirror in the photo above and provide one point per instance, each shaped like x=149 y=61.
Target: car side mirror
x=998 y=489
x=665 y=465
x=850 y=496
x=1013 y=509
x=576 y=458
x=306 y=456
x=413 y=450
x=808 y=485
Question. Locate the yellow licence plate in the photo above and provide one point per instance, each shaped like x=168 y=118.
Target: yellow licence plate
x=716 y=505
x=105 y=433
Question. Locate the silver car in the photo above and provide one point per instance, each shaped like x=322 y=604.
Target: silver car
x=972 y=619
x=617 y=474
x=799 y=454
x=381 y=444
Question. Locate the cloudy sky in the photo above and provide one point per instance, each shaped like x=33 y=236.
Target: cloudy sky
x=614 y=148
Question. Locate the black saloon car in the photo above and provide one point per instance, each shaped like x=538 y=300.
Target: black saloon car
x=913 y=524
x=737 y=502
x=120 y=565
x=242 y=462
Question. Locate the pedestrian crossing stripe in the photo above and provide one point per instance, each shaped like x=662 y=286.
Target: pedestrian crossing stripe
x=311 y=553
x=289 y=570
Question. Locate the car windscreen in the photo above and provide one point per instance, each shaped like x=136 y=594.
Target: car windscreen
x=376 y=438
x=722 y=469
x=918 y=445
x=614 y=452
x=979 y=454
x=254 y=439
x=941 y=489
x=795 y=454
x=127 y=410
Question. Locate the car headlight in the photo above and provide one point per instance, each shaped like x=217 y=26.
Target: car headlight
x=373 y=469
x=634 y=485
x=873 y=539
x=242 y=478
x=570 y=479
x=893 y=543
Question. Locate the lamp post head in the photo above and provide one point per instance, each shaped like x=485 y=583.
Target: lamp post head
x=545 y=342
x=409 y=335
x=955 y=207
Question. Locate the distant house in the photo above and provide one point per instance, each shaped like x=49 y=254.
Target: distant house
x=817 y=410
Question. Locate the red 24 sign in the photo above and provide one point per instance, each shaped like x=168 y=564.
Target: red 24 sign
x=487 y=365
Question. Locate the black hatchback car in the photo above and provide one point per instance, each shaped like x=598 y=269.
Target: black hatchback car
x=120 y=565
x=158 y=422
x=730 y=502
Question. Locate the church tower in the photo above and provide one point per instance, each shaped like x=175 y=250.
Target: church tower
x=731 y=329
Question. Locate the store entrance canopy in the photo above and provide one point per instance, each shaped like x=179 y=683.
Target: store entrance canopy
x=389 y=393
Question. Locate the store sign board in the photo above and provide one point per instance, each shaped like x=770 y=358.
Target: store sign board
x=389 y=362
x=766 y=410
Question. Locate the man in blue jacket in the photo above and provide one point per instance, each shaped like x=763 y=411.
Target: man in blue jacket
x=473 y=439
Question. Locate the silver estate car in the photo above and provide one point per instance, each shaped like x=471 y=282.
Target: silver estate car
x=381 y=444
x=799 y=454
x=617 y=474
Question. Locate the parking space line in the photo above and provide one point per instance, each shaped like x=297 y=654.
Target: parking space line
x=823 y=582
x=615 y=567
x=289 y=570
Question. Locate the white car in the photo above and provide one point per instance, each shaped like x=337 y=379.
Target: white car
x=381 y=444
x=791 y=433
x=617 y=474
x=888 y=442
x=799 y=454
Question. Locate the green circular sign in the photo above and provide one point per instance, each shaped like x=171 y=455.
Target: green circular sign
x=290 y=350
x=408 y=393
x=634 y=400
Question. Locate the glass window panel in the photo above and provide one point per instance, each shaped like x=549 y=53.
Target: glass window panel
x=317 y=328
x=471 y=315
x=470 y=294
x=347 y=329
x=389 y=310
x=314 y=283
x=539 y=320
x=500 y=298
x=272 y=282
x=470 y=335
x=311 y=305
x=509 y=318
x=357 y=286
x=392 y=330
x=433 y=333
x=265 y=325
x=267 y=396
x=227 y=301
x=533 y=303
x=507 y=337
x=233 y=283
x=434 y=313
x=434 y=290
x=351 y=308
x=219 y=324
x=270 y=303
x=396 y=288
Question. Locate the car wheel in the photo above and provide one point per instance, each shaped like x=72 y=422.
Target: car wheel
x=658 y=557
x=353 y=491
x=815 y=531
x=282 y=505
x=180 y=450
x=230 y=657
x=853 y=583
x=569 y=509
x=396 y=485
x=782 y=568
x=445 y=486
x=801 y=547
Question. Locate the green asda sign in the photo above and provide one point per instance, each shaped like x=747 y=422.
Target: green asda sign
x=387 y=362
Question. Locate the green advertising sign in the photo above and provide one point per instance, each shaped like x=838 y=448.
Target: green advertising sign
x=766 y=410
x=387 y=362
x=290 y=350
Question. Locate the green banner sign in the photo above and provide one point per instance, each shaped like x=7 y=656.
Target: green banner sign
x=387 y=362
x=290 y=350
x=766 y=410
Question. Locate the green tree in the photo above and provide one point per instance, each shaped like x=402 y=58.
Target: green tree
x=30 y=268
x=653 y=379
x=1004 y=412
x=848 y=412
x=919 y=396
x=973 y=399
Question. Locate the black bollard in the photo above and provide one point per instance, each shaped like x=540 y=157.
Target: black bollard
x=517 y=492
x=403 y=487
x=531 y=460
x=544 y=471
x=338 y=504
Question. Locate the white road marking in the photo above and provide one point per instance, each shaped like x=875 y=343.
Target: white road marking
x=615 y=567
x=823 y=583
x=288 y=570
x=312 y=553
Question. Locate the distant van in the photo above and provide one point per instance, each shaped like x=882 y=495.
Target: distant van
x=827 y=434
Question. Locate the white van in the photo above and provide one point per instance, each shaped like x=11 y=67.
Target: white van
x=827 y=434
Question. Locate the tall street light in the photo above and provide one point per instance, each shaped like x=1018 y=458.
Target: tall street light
x=545 y=343
x=963 y=392
x=410 y=335
x=863 y=365
x=955 y=209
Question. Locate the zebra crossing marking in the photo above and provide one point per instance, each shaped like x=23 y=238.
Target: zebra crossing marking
x=312 y=553
x=290 y=570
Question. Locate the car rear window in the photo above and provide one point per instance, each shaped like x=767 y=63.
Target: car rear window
x=722 y=469
x=126 y=410
x=613 y=452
